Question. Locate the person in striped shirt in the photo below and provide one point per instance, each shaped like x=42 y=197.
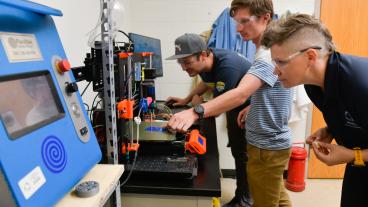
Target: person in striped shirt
x=267 y=131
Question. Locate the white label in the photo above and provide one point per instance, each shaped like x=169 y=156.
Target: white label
x=30 y=183
x=21 y=47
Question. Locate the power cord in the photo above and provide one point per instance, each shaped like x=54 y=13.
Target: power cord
x=138 y=121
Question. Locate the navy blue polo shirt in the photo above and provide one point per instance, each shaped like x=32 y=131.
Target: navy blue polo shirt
x=228 y=69
x=344 y=103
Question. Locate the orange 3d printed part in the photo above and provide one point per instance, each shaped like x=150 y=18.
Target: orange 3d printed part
x=125 y=109
x=196 y=143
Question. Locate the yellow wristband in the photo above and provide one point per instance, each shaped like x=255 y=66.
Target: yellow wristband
x=358 y=157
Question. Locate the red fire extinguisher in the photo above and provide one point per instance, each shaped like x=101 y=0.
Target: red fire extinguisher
x=296 y=171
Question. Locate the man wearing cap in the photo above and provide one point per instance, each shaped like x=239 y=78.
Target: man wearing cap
x=220 y=70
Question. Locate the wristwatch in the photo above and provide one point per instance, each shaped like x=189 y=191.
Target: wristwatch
x=358 y=161
x=198 y=109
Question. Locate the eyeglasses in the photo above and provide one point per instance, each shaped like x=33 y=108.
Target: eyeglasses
x=185 y=62
x=244 y=21
x=282 y=63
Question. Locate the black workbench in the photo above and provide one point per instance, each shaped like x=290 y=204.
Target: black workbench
x=207 y=182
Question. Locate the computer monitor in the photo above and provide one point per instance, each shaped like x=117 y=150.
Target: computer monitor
x=149 y=44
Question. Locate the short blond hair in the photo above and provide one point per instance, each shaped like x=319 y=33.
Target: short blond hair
x=301 y=27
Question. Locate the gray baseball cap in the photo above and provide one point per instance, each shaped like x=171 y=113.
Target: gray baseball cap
x=187 y=45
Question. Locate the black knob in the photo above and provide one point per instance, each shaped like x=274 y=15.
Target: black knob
x=71 y=87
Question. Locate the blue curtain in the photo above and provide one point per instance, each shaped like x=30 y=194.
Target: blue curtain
x=224 y=35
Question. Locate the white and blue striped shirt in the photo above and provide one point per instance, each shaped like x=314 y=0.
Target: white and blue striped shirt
x=267 y=120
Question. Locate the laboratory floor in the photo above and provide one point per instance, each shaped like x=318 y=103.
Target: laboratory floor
x=318 y=193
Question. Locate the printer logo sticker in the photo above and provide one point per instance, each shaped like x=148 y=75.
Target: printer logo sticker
x=21 y=47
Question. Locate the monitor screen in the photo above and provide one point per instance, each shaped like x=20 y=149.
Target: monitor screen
x=149 y=44
x=28 y=102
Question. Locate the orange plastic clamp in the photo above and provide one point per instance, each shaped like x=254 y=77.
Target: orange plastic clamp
x=124 y=55
x=144 y=54
x=123 y=149
x=125 y=109
x=133 y=147
x=196 y=143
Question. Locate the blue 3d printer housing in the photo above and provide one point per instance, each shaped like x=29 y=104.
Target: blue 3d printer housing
x=47 y=143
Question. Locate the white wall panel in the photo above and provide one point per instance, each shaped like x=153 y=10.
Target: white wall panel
x=166 y=20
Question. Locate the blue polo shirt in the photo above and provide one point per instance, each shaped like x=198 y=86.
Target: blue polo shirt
x=228 y=69
x=344 y=103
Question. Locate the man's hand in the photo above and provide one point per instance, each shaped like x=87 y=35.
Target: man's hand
x=241 y=117
x=175 y=101
x=332 y=154
x=182 y=121
x=197 y=100
x=321 y=135
x=164 y=116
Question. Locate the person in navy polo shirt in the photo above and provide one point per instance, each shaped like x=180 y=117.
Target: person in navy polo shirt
x=303 y=53
x=220 y=70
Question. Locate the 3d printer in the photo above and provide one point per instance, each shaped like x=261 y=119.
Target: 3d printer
x=141 y=120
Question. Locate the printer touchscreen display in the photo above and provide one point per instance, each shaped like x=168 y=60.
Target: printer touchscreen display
x=28 y=102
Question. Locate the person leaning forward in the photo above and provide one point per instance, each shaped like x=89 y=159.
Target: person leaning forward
x=220 y=70
x=303 y=52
